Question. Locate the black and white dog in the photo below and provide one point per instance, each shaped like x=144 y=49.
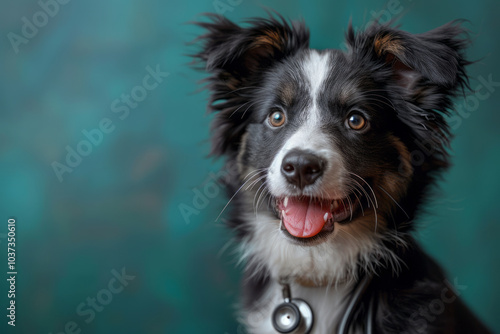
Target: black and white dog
x=327 y=189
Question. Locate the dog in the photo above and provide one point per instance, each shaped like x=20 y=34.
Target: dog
x=327 y=185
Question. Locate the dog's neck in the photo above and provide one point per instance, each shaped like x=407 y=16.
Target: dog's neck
x=307 y=282
x=310 y=283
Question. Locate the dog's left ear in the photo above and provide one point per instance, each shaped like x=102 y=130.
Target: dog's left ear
x=433 y=58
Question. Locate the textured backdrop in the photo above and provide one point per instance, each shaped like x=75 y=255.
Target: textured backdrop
x=102 y=161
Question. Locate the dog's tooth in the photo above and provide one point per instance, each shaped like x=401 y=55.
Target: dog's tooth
x=285 y=202
x=283 y=213
x=325 y=218
x=335 y=205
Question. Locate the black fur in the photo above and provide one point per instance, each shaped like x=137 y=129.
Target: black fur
x=415 y=77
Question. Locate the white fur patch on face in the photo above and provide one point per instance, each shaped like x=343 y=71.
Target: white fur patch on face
x=311 y=137
x=316 y=68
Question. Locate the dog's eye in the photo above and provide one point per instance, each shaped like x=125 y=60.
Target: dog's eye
x=356 y=122
x=277 y=118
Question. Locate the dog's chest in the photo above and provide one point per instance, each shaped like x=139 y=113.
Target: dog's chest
x=328 y=305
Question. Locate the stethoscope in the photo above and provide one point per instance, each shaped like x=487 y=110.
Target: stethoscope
x=295 y=316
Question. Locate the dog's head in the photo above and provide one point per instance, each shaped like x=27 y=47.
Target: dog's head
x=335 y=149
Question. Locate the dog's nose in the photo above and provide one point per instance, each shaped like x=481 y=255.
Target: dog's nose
x=302 y=168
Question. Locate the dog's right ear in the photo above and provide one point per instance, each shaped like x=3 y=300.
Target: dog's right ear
x=237 y=58
x=237 y=53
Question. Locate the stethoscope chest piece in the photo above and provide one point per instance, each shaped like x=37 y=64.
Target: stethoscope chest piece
x=293 y=316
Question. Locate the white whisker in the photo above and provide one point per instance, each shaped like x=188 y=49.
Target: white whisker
x=395 y=201
x=234 y=195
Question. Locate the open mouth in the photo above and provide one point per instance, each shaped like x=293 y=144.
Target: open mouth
x=306 y=217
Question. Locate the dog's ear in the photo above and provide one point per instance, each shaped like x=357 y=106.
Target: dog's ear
x=237 y=53
x=237 y=58
x=432 y=58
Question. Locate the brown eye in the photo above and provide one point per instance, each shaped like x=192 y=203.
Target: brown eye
x=356 y=122
x=277 y=118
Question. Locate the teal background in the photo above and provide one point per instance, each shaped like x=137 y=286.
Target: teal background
x=119 y=208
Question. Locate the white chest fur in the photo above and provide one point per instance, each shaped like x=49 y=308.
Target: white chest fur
x=328 y=305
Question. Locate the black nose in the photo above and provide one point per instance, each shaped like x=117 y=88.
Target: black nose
x=302 y=168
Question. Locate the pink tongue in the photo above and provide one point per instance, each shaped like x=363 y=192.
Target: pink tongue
x=303 y=219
